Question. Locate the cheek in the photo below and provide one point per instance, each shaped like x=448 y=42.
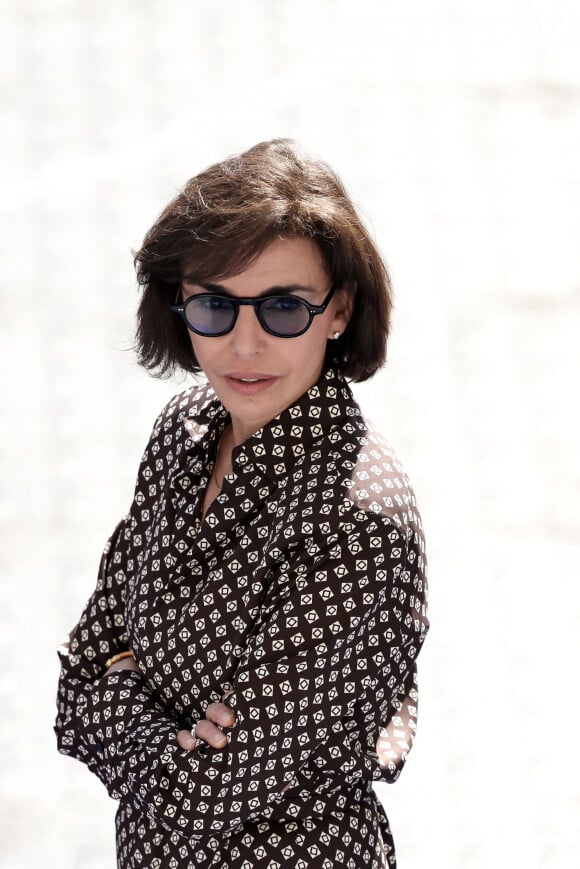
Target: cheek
x=202 y=348
x=309 y=350
x=317 y=335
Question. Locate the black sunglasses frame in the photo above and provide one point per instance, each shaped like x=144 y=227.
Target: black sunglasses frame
x=255 y=303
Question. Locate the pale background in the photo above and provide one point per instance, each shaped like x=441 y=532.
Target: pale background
x=456 y=126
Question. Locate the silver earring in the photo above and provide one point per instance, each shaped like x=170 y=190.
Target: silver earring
x=335 y=335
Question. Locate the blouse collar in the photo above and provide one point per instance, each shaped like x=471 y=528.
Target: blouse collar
x=286 y=439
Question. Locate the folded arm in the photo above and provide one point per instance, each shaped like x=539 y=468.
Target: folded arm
x=339 y=642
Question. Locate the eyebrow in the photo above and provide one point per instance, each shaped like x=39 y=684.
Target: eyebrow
x=271 y=291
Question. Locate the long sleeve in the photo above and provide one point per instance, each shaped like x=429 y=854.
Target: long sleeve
x=372 y=745
x=100 y=633
x=340 y=636
x=102 y=629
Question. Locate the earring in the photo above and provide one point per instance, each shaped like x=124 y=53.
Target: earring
x=335 y=335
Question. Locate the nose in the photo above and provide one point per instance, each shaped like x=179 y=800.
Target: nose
x=248 y=337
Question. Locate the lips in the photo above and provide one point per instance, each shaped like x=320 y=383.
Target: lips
x=249 y=382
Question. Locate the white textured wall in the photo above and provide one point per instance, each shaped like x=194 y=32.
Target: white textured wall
x=456 y=126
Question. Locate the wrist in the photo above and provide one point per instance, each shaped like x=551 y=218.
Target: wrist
x=121 y=661
x=118 y=657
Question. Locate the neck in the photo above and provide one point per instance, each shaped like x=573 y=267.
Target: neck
x=242 y=429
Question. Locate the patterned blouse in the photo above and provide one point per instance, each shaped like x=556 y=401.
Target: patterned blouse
x=302 y=593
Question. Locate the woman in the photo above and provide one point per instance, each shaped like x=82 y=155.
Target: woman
x=245 y=668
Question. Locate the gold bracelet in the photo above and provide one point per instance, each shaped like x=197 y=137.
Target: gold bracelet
x=118 y=657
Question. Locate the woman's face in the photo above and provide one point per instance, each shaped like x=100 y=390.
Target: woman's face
x=257 y=375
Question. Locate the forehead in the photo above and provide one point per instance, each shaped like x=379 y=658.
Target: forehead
x=283 y=261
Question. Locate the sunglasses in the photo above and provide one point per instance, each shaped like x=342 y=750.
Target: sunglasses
x=212 y=315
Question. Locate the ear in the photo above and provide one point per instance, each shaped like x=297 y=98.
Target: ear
x=343 y=303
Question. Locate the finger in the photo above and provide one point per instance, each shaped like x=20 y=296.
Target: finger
x=186 y=740
x=210 y=733
x=220 y=714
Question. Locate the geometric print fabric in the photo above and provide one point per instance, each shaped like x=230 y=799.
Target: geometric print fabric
x=301 y=595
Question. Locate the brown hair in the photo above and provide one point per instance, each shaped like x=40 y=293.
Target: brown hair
x=226 y=216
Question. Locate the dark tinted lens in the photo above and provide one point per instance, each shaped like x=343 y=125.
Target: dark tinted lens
x=210 y=315
x=285 y=315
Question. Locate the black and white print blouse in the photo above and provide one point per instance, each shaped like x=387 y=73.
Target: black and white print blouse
x=302 y=593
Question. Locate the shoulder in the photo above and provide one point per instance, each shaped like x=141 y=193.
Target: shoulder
x=182 y=422
x=192 y=407
x=375 y=483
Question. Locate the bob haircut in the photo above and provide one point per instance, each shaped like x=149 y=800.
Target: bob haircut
x=226 y=216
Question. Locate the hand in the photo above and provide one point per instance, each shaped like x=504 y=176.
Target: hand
x=128 y=663
x=217 y=715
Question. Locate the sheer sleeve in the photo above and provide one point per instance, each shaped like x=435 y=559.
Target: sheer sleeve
x=397 y=734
